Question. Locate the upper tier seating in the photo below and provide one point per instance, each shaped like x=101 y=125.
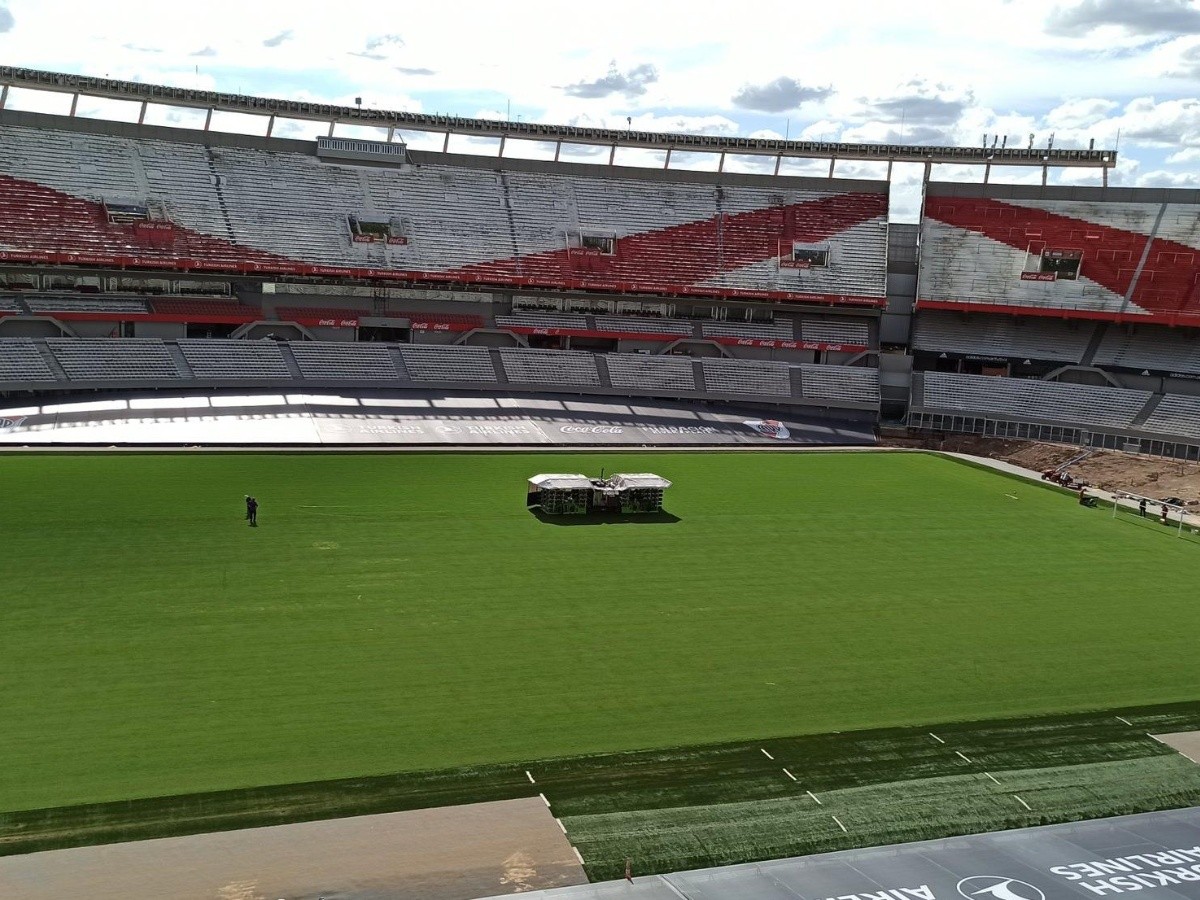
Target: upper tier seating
x=1176 y=414
x=840 y=383
x=21 y=361
x=234 y=359
x=1001 y=335
x=343 y=359
x=743 y=376
x=666 y=373
x=1029 y=399
x=974 y=251
x=835 y=332
x=234 y=208
x=448 y=364
x=549 y=367
x=103 y=359
x=1149 y=347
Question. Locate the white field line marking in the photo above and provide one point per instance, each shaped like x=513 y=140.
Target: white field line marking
x=839 y=822
x=578 y=855
x=960 y=753
x=814 y=796
x=544 y=800
x=789 y=774
x=530 y=777
x=991 y=776
x=936 y=738
x=1023 y=803
x=1012 y=496
x=766 y=754
x=560 y=824
x=1126 y=721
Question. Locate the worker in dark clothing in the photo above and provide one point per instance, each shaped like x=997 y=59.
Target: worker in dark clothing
x=247 y=507
x=252 y=511
x=1142 y=507
x=1164 y=513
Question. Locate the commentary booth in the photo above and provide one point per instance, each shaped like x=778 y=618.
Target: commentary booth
x=567 y=495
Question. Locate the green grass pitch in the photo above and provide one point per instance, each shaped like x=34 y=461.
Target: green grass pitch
x=405 y=612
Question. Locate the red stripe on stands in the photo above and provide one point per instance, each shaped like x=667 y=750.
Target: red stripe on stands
x=59 y=229
x=1169 y=284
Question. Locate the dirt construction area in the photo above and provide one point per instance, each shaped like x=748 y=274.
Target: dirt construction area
x=1108 y=470
x=451 y=853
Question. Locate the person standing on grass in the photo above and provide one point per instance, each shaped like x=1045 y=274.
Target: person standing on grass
x=1164 y=514
x=1142 y=507
x=252 y=511
x=247 y=507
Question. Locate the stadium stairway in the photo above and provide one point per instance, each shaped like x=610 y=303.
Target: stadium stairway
x=180 y=360
x=1094 y=344
x=1147 y=410
x=289 y=360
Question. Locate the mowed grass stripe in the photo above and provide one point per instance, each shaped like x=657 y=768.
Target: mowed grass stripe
x=405 y=613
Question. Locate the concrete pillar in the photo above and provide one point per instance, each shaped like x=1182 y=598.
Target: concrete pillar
x=208 y=119
x=74 y=103
x=141 y=112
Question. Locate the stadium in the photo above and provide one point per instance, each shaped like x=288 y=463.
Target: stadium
x=828 y=650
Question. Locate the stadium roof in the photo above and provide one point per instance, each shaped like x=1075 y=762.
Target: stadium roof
x=395 y=120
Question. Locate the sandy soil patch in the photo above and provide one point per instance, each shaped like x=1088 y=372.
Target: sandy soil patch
x=451 y=853
x=1108 y=470
x=1186 y=742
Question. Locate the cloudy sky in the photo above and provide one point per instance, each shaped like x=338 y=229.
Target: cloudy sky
x=922 y=71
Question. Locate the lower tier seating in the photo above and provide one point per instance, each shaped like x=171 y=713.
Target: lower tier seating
x=1030 y=399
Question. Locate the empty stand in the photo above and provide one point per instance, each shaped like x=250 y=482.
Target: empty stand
x=543 y=320
x=241 y=209
x=1136 y=258
x=651 y=373
x=448 y=364
x=835 y=332
x=1001 y=336
x=739 y=376
x=1150 y=347
x=20 y=360
x=343 y=359
x=44 y=305
x=1175 y=414
x=644 y=325
x=234 y=359
x=549 y=367
x=1029 y=399
x=102 y=359
x=840 y=383
x=206 y=310
x=777 y=331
